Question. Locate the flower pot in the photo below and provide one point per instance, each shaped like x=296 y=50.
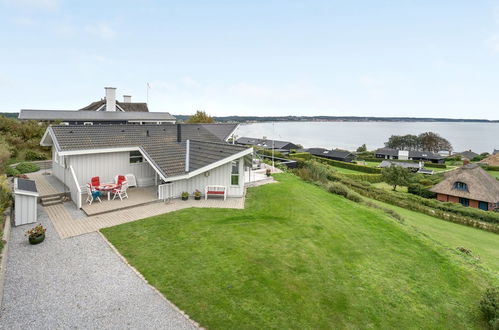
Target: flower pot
x=185 y=198
x=198 y=198
x=36 y=239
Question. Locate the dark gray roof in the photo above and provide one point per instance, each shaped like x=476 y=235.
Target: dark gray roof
x=267 y=144
x=466 y=154
x=222 y=131
x=159 y=142
x=127 y=107
x=26 y=185
x=495 y=152
x=71 y=115
x=328 y=153
x=412 y=153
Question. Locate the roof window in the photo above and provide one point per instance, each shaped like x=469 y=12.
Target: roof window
x=460 y=186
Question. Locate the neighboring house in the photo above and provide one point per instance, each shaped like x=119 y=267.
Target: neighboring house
x=341 y=155
x=466 y=154
x=285 y=146
x=495 y=152
x=492 y=160
x=425 y=156
x=187 y=155
x=413 y=167
x=105 y=111
x=471 y=186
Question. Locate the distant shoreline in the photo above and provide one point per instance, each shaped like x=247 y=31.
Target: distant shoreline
x=255 y=119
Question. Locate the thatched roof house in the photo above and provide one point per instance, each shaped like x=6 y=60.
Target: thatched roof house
x=469 y=185
x=492 y=160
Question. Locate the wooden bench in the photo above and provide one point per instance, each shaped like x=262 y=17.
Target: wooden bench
x=215 y=191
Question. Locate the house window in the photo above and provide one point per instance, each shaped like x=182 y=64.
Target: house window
x=460 y=186
x=136 y=157
x=464 y=201
x=234 y=175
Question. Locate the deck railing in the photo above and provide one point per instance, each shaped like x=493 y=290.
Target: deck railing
x=165 y=191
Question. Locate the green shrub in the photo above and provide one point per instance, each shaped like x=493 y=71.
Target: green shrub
x=301 y=155
x=434 y=165
x=11 y=171
x=353 y=196
x=338 y=189
x=350 y=166
x=27 y=167
x=371 y=178
x=268 y=152
x=489 y=305
x=491 y=168
x=420 y=190
x=35 y=155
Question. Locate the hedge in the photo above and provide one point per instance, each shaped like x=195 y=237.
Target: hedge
x=420 y=190
x=27 y=167
x=434 y=165
x=301 y=155
x=35 y=155
x=350 y=166
x=371 y=178
x=491 y=168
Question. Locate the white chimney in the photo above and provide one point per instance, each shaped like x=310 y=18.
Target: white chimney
x=127 y=99
x=110 y=98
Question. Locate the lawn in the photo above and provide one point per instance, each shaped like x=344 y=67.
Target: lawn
x=494 y=173
x=386 y=186
x=299 y=257
x=346 y=170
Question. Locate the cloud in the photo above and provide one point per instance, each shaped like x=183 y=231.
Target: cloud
x=101 y=30
x=23 y=21
x=35 y=4
x=271 y=93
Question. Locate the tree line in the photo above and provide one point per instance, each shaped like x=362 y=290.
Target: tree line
x=428 y=141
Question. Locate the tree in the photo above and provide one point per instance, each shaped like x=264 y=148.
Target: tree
x=362 y=148
x=428 y=141
x=200 y=117
x=396 y=176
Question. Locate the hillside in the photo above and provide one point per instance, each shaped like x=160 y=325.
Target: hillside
x=300 y=257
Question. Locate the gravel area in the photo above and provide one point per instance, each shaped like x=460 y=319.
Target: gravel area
x=77 y=283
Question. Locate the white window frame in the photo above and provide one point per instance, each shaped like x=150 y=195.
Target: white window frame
x=233 y=175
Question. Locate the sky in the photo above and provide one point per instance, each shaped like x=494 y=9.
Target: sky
x=265 y=58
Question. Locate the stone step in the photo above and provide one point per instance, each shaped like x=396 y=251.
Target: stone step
x=52 y=202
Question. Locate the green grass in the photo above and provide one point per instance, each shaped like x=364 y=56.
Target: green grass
x=346 y=170
x=494 y=173
x=299 y=257
x=386 y=186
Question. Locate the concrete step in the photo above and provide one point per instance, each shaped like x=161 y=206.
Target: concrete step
x=51 y=198
x=53 y=202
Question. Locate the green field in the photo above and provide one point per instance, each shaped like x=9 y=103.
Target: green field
x=386 y=186
x=494 y=173
x=299 y=257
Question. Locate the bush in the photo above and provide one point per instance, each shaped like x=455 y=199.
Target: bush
x=420 y=190
x=371 y=178
x=27 y=167
x=434 y=165
x=11 y=171
x=489 y=305
x=342 y=190
x=301 y=155
x=491 y=168
x=35 y=155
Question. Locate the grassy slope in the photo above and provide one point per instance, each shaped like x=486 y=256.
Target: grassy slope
x=451 y=235
x=494 y=173
x=299 y=257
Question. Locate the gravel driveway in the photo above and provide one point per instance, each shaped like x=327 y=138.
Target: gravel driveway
x=77 y=283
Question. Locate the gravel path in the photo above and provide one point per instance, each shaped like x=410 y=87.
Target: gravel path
x=77 y=283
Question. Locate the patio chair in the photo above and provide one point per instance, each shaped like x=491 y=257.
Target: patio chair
x=92 y=194
x=119 y=179
x=121 y=191
x=95 y=181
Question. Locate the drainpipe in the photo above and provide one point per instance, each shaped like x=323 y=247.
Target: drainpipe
x=187 y=151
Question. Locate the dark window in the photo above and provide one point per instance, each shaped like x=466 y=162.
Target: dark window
x=464 y=201
x=483 y=206
x=460 y=186
x=136 y=157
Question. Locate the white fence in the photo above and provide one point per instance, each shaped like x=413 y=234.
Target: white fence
x=165 y=191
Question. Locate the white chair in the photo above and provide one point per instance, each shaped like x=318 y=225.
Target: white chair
x=90 y=196
x=130 y=178
x=121 y=191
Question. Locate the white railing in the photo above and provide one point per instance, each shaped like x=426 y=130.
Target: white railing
x=165 y=191
x=77 y=198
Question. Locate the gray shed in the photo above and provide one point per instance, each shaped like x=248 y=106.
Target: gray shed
x=26 y=198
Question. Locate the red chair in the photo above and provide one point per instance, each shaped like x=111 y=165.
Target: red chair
x=120 y=180
x=95 y=181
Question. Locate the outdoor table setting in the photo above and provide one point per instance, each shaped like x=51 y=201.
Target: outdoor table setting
x=107 y=187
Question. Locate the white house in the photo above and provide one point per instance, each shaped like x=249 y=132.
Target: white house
x=184 y=156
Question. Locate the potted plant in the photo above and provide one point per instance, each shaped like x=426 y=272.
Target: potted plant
x=36 y=234
x=268 y=172
x=185 y=196
x=197 y=195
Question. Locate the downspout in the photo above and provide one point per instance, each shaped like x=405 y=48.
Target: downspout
x=187 y=151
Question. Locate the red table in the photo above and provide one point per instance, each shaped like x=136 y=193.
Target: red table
x=108 y=187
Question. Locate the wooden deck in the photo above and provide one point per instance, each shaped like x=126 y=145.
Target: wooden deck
x=136 y=197
x=44 y=187
x=66 y=226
